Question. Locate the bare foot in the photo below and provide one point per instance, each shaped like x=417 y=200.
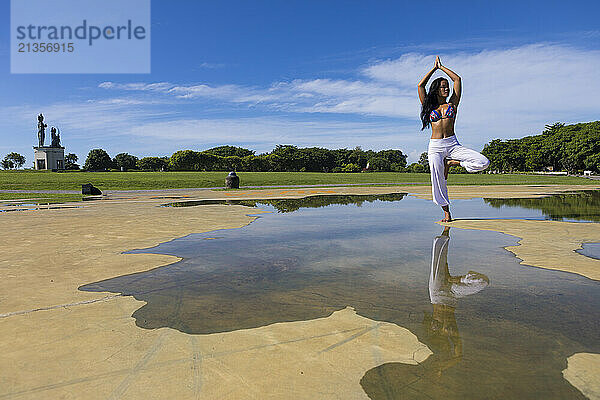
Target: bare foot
x=447 y=216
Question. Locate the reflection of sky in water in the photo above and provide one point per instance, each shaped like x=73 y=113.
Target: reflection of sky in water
x=590 y=250
x=515 y=335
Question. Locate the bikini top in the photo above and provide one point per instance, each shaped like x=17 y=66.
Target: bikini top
x=436 y=116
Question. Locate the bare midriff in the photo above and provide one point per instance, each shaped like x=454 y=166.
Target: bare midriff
x=442 y=128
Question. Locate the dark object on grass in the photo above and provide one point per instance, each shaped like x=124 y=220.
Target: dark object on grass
x=88 y=188
x=232 y=181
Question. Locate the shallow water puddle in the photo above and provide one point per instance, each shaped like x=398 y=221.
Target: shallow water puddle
x=497 y=329
x=591 y=250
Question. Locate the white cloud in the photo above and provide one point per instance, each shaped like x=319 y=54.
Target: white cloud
x=208 y=65
x=512 y=92
x=413 y=155
x=506 y=93
x=264 y=130
x=312 y=96
x=155 y=87
x=123 y=101
x=231 y=93
x=83 y=125
x=122 y=127
x=350 y=97
x=263 y=133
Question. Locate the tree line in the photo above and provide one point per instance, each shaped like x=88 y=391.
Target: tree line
x=12 y=161
x=572 y=148
x=284 y=158
x=560 y=147
x=15 y=160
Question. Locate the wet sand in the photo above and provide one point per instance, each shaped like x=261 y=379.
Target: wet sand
x=582 y=372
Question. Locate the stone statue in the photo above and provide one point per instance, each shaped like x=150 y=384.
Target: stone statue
x=41 y=130
x=55 y=137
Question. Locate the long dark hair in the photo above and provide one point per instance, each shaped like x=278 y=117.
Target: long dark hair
x=431 y=101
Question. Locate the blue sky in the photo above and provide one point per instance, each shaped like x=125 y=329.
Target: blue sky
x=317 y=73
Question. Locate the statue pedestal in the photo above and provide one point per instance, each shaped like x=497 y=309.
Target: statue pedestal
x=49 y=158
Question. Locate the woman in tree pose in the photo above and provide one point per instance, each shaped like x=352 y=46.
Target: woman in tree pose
x=444 y=149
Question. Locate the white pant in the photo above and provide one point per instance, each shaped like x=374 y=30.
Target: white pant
x=441 y=291
x=449 y=148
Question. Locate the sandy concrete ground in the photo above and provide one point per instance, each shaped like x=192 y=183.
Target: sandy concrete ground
x=97 y=352
x=582 y=372
x=59 y=342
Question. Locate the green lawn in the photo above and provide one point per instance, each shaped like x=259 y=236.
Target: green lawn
x=38 y=180
x=38 y=198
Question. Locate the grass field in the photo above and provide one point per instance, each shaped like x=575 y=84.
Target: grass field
x=42 y=180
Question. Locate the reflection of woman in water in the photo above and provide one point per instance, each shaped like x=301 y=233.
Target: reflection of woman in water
x=444 y=150
x=399 y=381
x=444 y=292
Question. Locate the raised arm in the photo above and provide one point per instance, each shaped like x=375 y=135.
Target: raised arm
x=423 y=83
x=455 y=99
